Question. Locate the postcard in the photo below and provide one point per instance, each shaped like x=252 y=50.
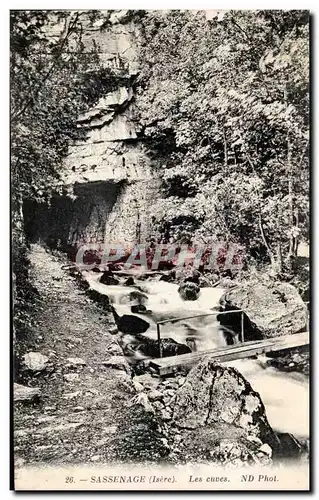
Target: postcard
x=160 y=250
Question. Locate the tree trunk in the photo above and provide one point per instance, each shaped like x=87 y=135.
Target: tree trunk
x=279 y=259
x=225 y=149
x=263 y=237
x=293 y=214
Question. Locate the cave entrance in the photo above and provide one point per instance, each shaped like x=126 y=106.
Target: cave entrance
x=68 y=222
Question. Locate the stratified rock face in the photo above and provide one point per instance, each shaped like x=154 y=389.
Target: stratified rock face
x=273 y=309
x=110 y=180
x=213 y=395
x=109 y=173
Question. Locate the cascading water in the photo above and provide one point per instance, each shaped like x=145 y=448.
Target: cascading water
x=284 y=394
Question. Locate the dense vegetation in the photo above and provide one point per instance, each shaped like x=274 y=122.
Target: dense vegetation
x=54 y=78
x=224 y=102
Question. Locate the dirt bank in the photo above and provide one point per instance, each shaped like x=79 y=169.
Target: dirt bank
x=87 y=410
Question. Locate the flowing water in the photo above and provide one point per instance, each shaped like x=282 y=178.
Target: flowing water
x=284 y=394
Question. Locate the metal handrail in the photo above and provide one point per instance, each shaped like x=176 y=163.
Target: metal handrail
x=173 y=320
x=214 y=313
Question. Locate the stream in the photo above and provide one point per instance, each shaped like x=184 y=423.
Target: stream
x=284 y=394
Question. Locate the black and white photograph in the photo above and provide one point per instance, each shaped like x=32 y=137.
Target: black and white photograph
x=160 y=250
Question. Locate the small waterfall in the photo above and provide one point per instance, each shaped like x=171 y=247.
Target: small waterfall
x=284 y=394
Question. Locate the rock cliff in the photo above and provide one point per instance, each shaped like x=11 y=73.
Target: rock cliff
x=110 y=175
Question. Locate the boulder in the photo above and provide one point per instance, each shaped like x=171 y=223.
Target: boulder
x=130 y=324
x=99 y=298
x=113 y=330
x=189 y=291
x=166 y=415
x=117 y=363
x=137 y=386
x=141 y=367
x=155 y=395
x=142 y=400
x=129 y=281
x=168 y=277
x=139 y=297
x=216 y=416
x=295 y=360
x=188 y=274
x=271 y=309
x=193 y=277
x=108 y=278
x=96 y=269
x=191 y=342
x=24 y=394
x=35 y=361
x=149 y=347
x=139 y=308
x=290 y=446
x=209 y=279
x=213 y=395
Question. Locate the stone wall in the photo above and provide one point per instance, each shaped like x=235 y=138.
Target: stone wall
x=90 y=211
x=130 y=220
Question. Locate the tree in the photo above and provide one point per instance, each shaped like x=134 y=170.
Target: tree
x=55 y=76
x=226 y=108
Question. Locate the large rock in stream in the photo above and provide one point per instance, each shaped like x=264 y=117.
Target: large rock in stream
x=130 y=324
x=221 y=417
x=214 y=394
x=149 y=347
x=108 y=278
x=189 y=291
x=271 y=309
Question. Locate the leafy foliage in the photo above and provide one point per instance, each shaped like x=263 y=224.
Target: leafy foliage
x=229 y=95
x=55 y=76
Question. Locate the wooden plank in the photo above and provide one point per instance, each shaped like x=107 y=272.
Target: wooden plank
x=167 y=365
x=219 y=350
x=297 y=338
x=297 y=343
x=199 y=354
x=229 y=353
